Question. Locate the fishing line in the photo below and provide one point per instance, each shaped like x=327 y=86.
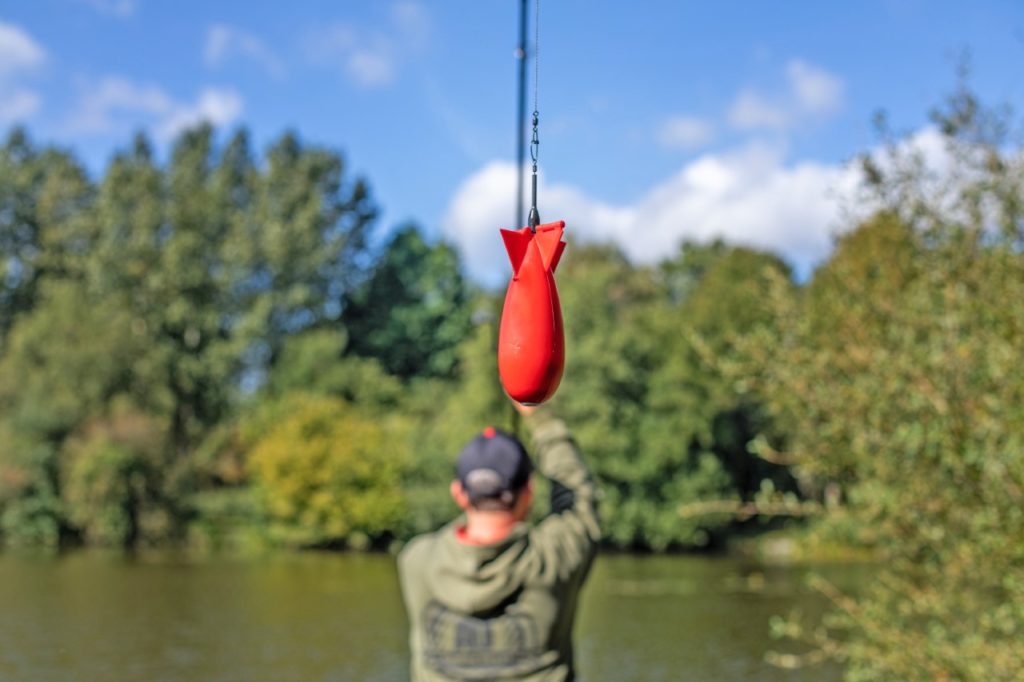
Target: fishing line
x=534 y=218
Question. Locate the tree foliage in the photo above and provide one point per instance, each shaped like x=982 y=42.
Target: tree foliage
x=205 y=293
x=412 y=312
x=661 y=424
x=897 y=376
x=170 y=288
x=44 y=224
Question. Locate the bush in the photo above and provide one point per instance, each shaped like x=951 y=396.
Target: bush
x=231 y=519
x=111 y=478
x=29 y=506
x=330 y=474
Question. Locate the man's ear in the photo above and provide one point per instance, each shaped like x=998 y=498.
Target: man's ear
x=459 y=494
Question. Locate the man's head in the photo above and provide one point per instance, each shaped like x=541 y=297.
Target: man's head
x=493 y=474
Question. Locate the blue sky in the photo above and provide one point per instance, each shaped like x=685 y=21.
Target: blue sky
x=661 y=120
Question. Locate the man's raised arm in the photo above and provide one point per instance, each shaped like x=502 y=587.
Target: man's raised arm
x=572 y=527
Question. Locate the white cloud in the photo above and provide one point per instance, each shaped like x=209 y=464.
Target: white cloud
x=367 y=58
x=224 y=42
x=751 y=110
x=412 y=23
x=18 y=105
x=371 y=58
x=217 y=106
x=115 y=102
x=115 y=8
x=482 y=204
x=20 y=54
x=371 y=64
x=18 y=51
x=685 y=132
x=817 y=91
x=112 y=97
x=747 y=196
x=810 y=92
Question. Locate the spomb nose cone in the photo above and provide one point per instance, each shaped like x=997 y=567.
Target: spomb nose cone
x=531 y=345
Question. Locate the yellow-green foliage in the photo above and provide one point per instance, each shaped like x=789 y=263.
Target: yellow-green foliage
x=328 y=473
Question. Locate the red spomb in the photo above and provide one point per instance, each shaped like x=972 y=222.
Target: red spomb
x=531 y=343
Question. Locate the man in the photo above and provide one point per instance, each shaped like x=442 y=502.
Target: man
x=488 y=596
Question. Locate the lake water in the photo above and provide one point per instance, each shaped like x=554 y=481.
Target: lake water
x=309 y=616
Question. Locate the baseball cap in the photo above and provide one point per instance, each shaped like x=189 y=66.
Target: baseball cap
x=493 y=465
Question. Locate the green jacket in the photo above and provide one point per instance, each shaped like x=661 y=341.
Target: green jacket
x=505 y=611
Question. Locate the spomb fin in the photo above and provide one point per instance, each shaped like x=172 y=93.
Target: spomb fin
x=516 y=243
x=549 y=241
x=558 y=225
x=558 y=256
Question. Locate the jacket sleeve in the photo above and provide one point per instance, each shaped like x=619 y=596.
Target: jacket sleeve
x=571 y=532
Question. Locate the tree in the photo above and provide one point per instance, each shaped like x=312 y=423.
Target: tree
x=315 y=362
x=223 y=262
x=716 y=296
x=898 y=376
x=412 y=312
x=309 y=228
x=44 y=226
x=57 y=372
x=614 y=352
